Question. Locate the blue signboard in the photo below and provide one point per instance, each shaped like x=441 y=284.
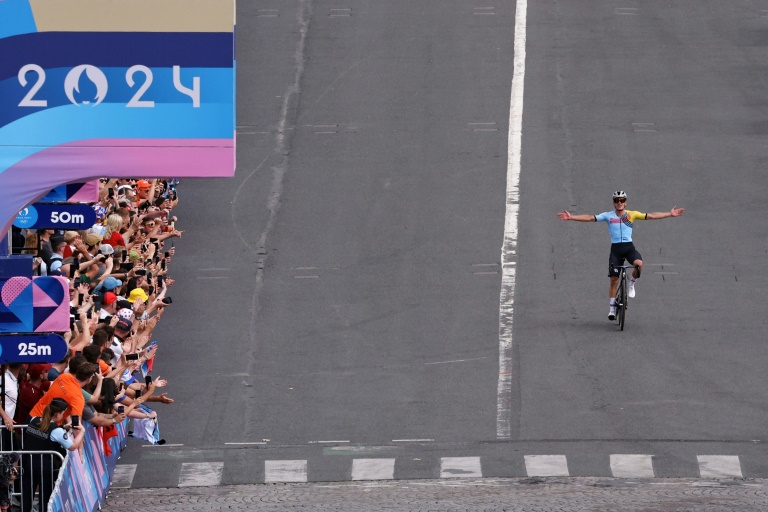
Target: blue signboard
x=56 y=216
x=32 y=348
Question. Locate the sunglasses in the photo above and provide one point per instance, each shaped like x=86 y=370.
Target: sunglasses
x=620 y=200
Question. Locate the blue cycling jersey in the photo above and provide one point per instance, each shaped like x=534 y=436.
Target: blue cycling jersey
x=620 y=228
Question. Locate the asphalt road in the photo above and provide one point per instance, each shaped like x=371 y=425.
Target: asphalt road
x=339 y=298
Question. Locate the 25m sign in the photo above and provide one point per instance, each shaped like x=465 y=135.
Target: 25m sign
x=137 y=77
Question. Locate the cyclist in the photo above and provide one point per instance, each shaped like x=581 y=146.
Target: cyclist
x=620 y=223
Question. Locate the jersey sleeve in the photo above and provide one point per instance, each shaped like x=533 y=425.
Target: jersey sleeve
x=634 y=215
x=602 y=217
x=62 y=437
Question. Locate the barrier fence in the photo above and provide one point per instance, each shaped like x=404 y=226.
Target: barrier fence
x=78 y=482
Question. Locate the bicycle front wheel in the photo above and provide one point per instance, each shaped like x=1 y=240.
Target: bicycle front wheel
x=623 y=298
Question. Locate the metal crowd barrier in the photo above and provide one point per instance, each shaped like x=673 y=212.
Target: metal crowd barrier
x=39 y=471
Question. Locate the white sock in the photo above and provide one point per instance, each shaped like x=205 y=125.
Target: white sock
x=632 y=280
x=613 y=301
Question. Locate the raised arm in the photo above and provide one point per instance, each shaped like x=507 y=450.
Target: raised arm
x=674 y=212
x=566 y=215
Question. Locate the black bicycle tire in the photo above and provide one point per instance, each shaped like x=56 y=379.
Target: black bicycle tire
x=623 y=294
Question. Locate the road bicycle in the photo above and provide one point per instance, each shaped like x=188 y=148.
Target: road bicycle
x=622 y=296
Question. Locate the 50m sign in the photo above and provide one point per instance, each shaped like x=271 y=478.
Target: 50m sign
x=137 y=77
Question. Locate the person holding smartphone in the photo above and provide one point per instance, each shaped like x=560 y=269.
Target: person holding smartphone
x=45 y=434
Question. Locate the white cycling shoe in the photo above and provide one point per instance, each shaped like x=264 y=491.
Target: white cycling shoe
x=631 y=290
x=612 y=313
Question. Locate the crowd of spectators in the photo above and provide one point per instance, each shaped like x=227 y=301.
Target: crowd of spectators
x=118 y=278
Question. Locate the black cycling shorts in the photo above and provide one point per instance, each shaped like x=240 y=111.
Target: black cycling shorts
x=620 y=252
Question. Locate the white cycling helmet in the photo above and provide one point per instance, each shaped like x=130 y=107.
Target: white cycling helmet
x=619 y=193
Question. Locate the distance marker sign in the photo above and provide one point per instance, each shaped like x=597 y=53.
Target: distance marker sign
x=32 y=348
x=56 y=216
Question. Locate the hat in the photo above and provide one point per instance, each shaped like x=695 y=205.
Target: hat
x=143 y=184
x=138 y=293
x=106 y=249
x=111 y=283
x=125 y=313
x=108 y=298
x=59 y=404
x=92 y=239
x=134 y=256
x=123 y=304
x=123 y=325
x=34 y=370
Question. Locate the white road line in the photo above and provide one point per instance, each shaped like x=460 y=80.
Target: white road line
x=373 y=469
x=285 y=471
x=321 y=442
x=719 y=466
x=460 y=467
x=122 y=478
x=632 y=466
x=413 y=440
x=546 y=465
x=201 y=474
x=509 y=247
x=161 y=445
x=245 y=444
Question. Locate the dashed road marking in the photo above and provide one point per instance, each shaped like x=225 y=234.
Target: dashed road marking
x=460 y=467
x=373 y=469
x=285 y=471
x=546 y=465
x=632 y=466
x=201 y=474
x=719 y=466
x=627 y=11
x=122 y=478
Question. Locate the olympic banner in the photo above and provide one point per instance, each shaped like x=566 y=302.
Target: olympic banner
x=126 y=88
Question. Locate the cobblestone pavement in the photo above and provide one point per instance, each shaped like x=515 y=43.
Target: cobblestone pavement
x=486 y=494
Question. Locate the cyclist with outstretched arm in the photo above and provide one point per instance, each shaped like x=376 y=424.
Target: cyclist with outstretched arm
x=620 y=224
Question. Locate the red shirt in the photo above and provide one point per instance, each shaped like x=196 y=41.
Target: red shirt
x=29 y=395
x=115 y=240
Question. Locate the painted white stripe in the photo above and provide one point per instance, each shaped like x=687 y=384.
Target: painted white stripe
x=632 y=466
x=161 y=445
x=122 y=478
x=460 y=467
x=412 y=440
x=546 y=465
x=509 y=247
x=201 y=474
x=320 y=442
x=285 y=471
x=719 y=466
x=373 y=469
x=248 y=443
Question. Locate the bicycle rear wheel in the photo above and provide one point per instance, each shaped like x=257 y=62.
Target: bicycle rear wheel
x=623 y=299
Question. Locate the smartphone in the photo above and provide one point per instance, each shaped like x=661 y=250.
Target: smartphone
x=141 y=272
x=123 y=256
x=148 y=380
x=72 y=270
x=162 y=264
x=120 y=409
x=167 y=300
x=138 y=393
x=75 y=420
x=132 y=357
x=80 y=299
x=111 y=193
x=160 y=280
